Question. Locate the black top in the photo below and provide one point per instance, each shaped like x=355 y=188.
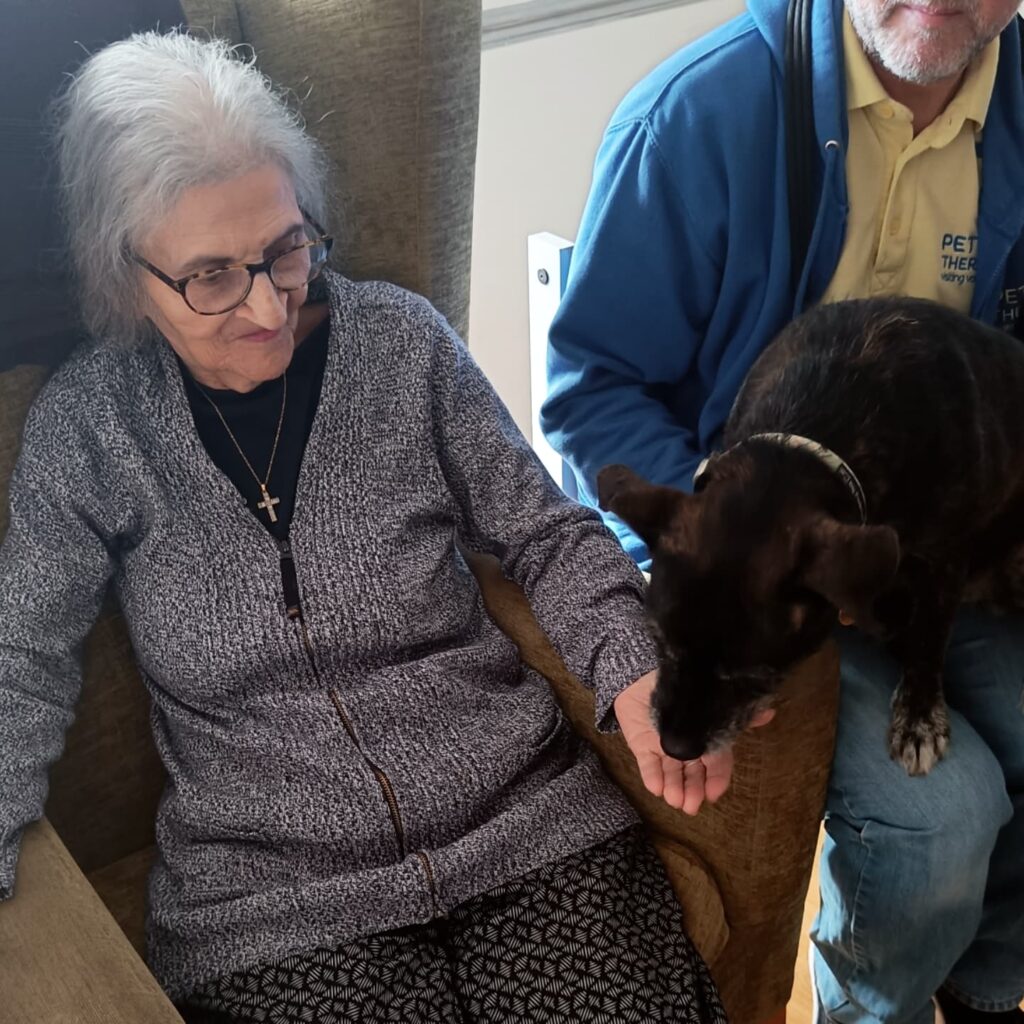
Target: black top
x=253 y=420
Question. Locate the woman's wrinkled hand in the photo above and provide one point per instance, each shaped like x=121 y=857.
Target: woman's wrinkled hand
x=681 y=784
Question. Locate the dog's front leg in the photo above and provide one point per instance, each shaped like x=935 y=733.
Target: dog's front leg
x=919 y=730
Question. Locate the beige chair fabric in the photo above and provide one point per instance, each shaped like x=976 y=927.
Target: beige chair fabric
x=404 y=153
x=63 y=959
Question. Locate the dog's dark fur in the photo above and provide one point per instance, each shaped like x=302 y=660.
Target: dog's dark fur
x=927 y=408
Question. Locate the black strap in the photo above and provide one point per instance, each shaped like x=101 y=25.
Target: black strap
x=801 y=143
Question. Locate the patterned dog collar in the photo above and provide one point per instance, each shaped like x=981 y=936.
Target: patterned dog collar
x=820 y=452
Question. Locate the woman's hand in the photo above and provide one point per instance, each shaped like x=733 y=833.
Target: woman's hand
x=682 y=784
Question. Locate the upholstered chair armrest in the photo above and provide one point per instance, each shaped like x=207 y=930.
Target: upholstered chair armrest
x=757 y=843
x=63 y=959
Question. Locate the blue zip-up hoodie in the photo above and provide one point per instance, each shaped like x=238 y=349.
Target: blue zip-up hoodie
x=681 y=271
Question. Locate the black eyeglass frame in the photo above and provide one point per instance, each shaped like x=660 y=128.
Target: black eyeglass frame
x=180 y=284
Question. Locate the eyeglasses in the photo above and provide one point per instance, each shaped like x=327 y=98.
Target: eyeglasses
x=212 y=292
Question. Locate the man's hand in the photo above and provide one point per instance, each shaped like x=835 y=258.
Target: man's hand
x=682 y=784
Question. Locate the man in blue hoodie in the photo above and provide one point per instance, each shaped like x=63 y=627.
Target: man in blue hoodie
x=680 y=277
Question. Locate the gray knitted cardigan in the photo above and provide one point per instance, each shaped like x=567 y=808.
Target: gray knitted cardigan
x=374 y=762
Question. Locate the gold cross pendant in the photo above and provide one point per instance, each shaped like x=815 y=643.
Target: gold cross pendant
x=268 y=503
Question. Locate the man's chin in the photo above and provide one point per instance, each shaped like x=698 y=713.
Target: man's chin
x=921 y=64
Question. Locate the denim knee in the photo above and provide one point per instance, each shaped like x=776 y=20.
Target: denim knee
x=963 y=799
x=962 y=803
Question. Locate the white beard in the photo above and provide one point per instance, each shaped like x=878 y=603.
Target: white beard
x=920 y=59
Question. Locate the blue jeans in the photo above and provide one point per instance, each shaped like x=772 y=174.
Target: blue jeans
x=922 y=879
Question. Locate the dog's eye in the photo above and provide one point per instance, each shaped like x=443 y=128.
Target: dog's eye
x=800 y=602
x=798 y=612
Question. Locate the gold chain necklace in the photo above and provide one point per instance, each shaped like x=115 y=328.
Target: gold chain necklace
x=268 y=502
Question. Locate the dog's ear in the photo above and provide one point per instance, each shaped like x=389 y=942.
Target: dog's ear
x=647 y=508
x=849 y=565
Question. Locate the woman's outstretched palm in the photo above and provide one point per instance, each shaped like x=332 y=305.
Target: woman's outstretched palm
x=682 y=784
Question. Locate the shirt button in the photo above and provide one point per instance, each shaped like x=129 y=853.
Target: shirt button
x=894 y=226
x=886 y=111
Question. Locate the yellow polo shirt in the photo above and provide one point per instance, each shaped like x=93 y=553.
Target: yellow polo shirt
x=912 y=224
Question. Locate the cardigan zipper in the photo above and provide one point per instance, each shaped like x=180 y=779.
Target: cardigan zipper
x=293 y=609
x=382 y=780
x=428 y=870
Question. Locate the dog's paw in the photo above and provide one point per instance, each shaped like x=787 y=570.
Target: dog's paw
x=918 y=736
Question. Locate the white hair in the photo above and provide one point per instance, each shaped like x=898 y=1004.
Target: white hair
x=146 y=119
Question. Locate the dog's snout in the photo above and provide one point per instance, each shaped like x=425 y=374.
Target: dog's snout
x=682 y=748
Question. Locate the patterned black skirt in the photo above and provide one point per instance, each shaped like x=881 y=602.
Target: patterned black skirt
x=595 y=937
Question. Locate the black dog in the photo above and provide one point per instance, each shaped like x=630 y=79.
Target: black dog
x=874 y=465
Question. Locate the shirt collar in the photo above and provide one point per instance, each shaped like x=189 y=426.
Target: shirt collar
x=975 y=92
x=863 y=89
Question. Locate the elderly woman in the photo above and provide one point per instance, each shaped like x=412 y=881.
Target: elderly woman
x=373 y=810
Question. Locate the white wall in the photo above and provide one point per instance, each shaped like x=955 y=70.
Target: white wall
x=544 y=104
